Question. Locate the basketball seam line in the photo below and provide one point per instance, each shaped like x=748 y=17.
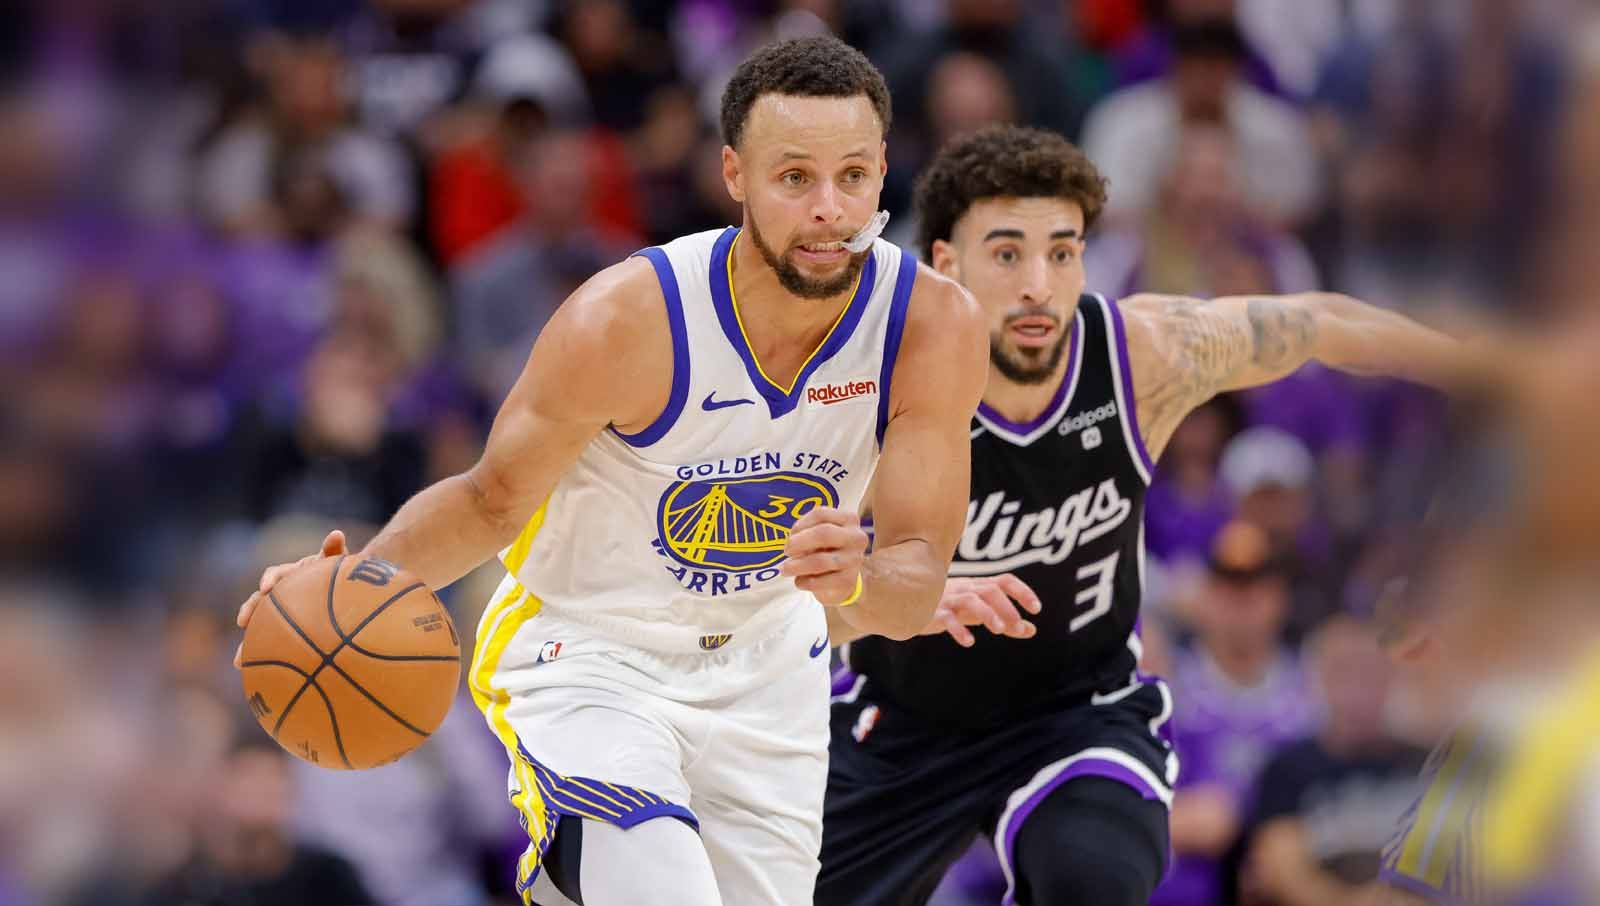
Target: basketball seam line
x=333 y=718
x=355 y=646
x=309 y=677
x=374 y=699
x=311 y=681
x=297 y=669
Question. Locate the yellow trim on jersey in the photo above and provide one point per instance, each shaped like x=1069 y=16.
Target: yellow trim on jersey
x=517 y=554
x=504 y=616
x=1428 y=819
x=733 y=300
x=1525 y=808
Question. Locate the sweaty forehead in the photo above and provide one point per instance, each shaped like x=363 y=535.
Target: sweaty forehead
x=822 y=128
x=1036 y=218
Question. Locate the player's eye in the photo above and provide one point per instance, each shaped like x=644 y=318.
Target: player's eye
x=793 y=178
x=1062 y=255
x=855 y=175
x=1006 y=256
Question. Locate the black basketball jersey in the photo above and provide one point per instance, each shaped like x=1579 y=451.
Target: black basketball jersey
x=1060 y=503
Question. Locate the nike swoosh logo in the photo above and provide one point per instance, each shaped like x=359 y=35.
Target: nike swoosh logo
x=711 y=405
x=821 y=646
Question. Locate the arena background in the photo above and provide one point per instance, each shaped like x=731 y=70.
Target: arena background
x=267 y=267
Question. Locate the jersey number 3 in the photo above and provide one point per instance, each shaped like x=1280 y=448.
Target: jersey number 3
x=1103 y=574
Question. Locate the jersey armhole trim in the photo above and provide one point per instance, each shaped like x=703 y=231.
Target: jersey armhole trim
x=1124 y=382
x=904 y=280
x=680 y=353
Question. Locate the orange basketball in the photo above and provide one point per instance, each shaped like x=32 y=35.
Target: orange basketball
x=350 y=662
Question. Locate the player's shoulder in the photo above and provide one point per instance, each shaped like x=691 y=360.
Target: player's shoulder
x=940 y=302
x=1153 y=325
x=944 y=347
x=1149 y=311
x=620 y=307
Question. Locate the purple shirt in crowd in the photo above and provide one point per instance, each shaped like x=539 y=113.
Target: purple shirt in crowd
x=1178 y=528
x=1224 y=734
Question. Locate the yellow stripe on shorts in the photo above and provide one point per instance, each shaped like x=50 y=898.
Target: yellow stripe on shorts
x=504 y=616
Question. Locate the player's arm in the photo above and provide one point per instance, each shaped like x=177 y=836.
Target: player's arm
x=919 y=495
x=599 y=361
x=586 y=371
x=1184 y=351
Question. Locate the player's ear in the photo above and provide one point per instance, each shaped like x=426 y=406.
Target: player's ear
x=883 y=159
x=944 y=260
x=733 y=173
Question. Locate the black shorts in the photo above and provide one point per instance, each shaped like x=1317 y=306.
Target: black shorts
x=905 y=800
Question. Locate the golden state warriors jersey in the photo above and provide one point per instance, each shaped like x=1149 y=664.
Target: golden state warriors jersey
x=671 y=538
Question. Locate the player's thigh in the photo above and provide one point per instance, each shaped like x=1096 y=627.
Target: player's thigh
x=593 y=863
x=891 y=827
x=758 y=859
x=1091 y=840
x=759 y=777
x=759 y=800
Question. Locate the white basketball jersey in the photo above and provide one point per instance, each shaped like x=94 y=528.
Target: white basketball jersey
x=671 y=538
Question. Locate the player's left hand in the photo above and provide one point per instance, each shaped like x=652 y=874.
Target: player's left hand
x=825 y=551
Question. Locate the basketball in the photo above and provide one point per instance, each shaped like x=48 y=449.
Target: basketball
x=350 y=662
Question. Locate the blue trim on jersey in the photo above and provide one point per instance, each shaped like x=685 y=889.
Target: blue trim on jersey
x=779 y=402
x=1127 y=385
x=904 y=280
x=680 y=353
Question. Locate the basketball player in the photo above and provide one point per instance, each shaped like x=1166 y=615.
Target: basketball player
x=1041 y=733
x=672 y=486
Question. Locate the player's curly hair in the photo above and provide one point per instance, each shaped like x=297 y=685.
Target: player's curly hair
x=822 y=66
x=1003 y=162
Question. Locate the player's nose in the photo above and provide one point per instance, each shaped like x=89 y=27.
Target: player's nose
x=1036 y=283
x=826 y=207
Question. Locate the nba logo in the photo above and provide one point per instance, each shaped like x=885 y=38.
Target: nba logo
x=1091 y=437
x=864 y=723
x=713 y=642
x=549 y=652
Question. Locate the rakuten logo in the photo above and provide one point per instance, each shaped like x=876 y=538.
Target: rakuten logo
x=828 y=394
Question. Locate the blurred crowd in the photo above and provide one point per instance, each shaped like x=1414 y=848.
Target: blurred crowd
x=268 y=266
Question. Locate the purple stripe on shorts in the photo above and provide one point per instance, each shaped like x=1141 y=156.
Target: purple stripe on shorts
x=843 y=679
x=1089 y=767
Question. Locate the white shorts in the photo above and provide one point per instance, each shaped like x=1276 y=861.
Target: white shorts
x=732 y=740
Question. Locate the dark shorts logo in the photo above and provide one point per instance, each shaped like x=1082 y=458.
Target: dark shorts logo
x=737 y=524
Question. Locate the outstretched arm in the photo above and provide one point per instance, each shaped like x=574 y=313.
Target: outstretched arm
x=1184 y=351
x=919 y=492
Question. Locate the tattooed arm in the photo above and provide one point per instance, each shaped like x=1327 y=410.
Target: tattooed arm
x=1185 y=351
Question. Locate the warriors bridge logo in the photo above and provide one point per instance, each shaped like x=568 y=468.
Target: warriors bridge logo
x=726 y=531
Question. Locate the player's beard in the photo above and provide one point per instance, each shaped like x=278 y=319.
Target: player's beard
x=790 y=278
x=1026 y=366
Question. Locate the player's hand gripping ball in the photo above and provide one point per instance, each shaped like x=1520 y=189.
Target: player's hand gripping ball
x=348 y=662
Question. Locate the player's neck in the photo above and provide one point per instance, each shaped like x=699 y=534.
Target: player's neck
x=1022 y=403
x=775 y=319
